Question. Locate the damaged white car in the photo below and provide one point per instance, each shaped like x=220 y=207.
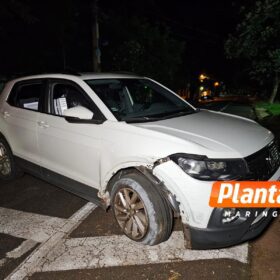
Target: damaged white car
x=130 y=143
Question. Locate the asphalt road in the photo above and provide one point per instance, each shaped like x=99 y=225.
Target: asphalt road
x=47 y=233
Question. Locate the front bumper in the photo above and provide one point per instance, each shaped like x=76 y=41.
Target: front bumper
x=217 y=236
x=196 y=215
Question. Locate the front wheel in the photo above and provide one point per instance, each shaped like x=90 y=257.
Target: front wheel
x=143 y=215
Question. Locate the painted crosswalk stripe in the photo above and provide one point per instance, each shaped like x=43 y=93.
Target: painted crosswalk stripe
x=28 y=225
x=36 y=258
x=19 y=251
x=59 y=253
x=106 y=251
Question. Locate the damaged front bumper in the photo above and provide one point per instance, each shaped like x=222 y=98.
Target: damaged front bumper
x=217 y=235
x=203 y=227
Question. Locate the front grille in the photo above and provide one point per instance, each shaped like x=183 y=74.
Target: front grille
x=264 y=163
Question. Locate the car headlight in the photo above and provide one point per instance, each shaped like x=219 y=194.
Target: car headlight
x=203 y=168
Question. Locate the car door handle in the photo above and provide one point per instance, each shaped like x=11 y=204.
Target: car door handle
x=6 y=115
x=43 y=124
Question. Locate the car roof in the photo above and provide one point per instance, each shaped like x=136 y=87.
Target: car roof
x=82 y=76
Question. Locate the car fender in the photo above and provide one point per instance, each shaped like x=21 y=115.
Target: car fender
x=176 y=200
x=125 y=164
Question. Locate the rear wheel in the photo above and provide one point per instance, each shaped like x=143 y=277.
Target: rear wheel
x=8 y=169
x=143 y=215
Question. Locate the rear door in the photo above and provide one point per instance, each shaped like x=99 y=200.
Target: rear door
x=20 y=115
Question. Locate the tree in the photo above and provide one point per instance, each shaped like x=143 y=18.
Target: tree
x=257 y=40
x=12 y=10
x=141 y=47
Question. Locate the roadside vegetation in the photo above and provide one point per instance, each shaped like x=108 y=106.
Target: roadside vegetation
x=271 y=109
x=256 y=43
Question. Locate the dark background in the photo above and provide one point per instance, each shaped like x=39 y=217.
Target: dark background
x=53 y=36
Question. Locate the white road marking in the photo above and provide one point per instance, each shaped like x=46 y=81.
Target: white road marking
x=23 y=248
x=57 y=253
x=28 y=225
x=107 y=251
x=34 y=260
x=2 y=262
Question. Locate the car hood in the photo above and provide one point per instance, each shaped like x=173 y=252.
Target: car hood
x=218 y=133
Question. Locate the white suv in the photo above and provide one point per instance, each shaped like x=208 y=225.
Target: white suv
x=130 y=143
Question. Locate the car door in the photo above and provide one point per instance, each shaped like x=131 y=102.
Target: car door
x=69 y=150
x=20 y=116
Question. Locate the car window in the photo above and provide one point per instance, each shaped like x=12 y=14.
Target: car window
x=66 y=96
x=138 y=99
x=26 y=96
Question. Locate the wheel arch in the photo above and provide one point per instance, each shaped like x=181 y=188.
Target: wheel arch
x=156 y=183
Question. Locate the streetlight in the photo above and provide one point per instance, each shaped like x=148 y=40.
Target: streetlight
x=203 y=77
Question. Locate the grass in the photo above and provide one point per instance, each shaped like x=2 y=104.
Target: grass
x=273 y=109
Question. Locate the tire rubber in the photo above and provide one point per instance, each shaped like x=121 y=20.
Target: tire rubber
x=15 y=171
x=159 y=213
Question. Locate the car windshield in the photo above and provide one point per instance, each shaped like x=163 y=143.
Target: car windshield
x=139 y=100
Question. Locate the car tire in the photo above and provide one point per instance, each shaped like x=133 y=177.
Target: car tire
x=139 y=209
x=8 y=168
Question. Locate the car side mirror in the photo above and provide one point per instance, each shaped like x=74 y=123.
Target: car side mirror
x=78 y=112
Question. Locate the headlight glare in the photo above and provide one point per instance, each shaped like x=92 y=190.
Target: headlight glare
x=200 y=167
x=191 y=166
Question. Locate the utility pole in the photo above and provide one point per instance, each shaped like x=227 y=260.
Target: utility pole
x=96 y=53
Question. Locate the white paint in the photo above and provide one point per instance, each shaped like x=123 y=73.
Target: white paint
x=34 y=260
x=26 y=225
x=107 y=251
x=23 y=248
x=2 y=262
x=91 y=154
x=59 y=254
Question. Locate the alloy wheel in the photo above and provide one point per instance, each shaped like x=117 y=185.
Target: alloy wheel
x=130 y=213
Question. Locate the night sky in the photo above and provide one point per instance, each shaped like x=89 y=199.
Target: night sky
x=202 y=25
x=37 y=44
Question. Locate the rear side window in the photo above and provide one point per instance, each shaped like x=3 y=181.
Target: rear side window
x=26 y=96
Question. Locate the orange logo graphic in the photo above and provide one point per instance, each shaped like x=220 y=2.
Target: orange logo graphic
x=245 y=194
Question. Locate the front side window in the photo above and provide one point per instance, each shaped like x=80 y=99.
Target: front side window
x=26 y=96
x=66 y=96
x=137 y=100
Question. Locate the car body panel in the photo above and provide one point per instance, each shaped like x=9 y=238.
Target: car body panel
x=70 y=149
x=93 y=153
x=225 y=136
x=19 y=129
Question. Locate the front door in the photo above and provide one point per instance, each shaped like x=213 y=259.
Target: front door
x=69 y=149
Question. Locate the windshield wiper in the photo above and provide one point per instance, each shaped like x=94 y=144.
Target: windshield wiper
x=158 y=117
x=174 y=114
x=140 y=119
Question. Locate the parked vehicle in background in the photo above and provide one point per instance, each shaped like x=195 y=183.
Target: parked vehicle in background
x=129 y=143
